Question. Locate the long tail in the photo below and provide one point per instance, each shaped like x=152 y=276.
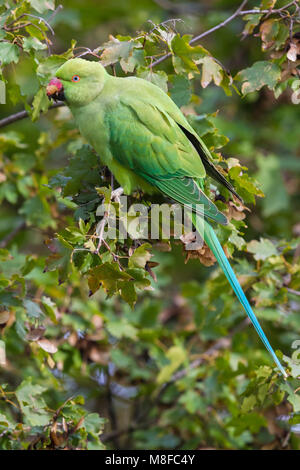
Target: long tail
x=207 y=232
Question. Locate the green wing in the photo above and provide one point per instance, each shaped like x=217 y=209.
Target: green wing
x=146 y=139
x=153 y=94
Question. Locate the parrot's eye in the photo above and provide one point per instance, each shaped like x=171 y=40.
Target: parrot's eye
x=75 y=78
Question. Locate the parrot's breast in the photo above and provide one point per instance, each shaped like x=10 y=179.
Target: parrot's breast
x=92 y=123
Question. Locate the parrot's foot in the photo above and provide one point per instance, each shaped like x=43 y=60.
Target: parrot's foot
x=115 y=196
x=100 y=231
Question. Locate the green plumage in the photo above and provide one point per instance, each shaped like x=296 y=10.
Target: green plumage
x=135 y=128
x=147 y=143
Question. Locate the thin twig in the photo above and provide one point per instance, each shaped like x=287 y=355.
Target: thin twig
x=23 y=114
x=220 y=25
x=57 y=10
x=42 y=20
x=206 y=33
x=100 y=231
x=115 y=196
x=9 y=237
x=293 y=291
x=10 y=27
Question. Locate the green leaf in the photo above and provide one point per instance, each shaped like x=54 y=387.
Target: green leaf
x=251 y=422
x=193 y=402
x=294 y=365
x=295 y=401
x=184 y=56
x=81 y=171
x=262 y=249
x=8 y=191
x=42 y=5
x=33 y=309
x=270 y=177
x=48 y=67
x=139 y=279
x=30 y=43
x=9 y=299
x=267 y=4
x=260 y=74
x=8 y=53
x=202 y=124
x=122 y=329
x=248 y=404
x=37 y=212
x=50 y=308
x=107 y=275
x=252 y=21
x=237 y=241
x=40 y=104
x=60 y=258
x=128 y=293
x=244 y=184
x=94 y=424
x=11 y=139
x=32 y=405
x=159 y=78
x=211 y=71
x=176 y=356
x=5 y=422
x=140 y=256
x=124 y=51
x=181 y=89
x=268 y=31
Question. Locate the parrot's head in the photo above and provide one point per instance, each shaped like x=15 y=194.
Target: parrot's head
x=77 y=81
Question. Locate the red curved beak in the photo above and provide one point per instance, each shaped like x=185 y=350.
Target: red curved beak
x=55 y=89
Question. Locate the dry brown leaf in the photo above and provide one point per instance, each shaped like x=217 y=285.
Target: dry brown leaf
x=4 y=316
x=72 y=339
x=162 y=246
x=235 y=211
x=47 y=346
x=204 y=254
x=293 y=52
x=97 y=321
x=98 y=356
x=265 y=30
x=50 y=362
x=149 y=266
x=36 y=333
x=56 y=437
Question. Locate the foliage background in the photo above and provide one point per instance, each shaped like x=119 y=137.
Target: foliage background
x=81 y=368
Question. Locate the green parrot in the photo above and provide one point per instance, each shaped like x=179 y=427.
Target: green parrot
x=147 y=143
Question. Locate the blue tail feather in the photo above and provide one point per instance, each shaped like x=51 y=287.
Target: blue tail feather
x=212 y=241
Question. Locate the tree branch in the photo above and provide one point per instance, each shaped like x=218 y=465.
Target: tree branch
x=23 y=114
x=206 y=33
x=53 y=15
x=9 y=237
